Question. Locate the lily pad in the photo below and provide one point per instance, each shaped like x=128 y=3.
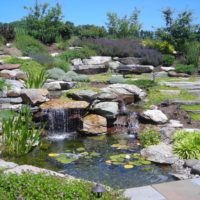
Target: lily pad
x=145 y=162
x=53 y=154
x=85 y=153
x=80 y=149
x=136 y=155
x=128 y=166
x=95 y=154
x=117 y=163
x=64 y=159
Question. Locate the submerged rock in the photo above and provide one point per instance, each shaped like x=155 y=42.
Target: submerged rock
x=65 y=104
x=94 y=124
x=161 y=153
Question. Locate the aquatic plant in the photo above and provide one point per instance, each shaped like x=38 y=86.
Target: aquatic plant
x=19 y=134
x=149 y=137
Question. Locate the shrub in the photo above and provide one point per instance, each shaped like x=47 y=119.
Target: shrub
x=164 y=47
x=188 y=69
x=19 y=134
x=56 y=73
x=29 y=46
x=168 y=60
x=187 y=145
x=142 y=83
x=41 y=187
x=149 y=137
x=36 y=80
x=2 y=41
x=81 y=78
x=116 y=79
x=7 y=32
x=62 y=64
x=2 y=84
x=84 y=52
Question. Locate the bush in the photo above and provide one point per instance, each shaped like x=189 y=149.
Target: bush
x=142 y=83
x=188 y=69
x=84 y=52
x=36 y=80
x=7 y=32
x=19 y=134
x=29 y=46
x=41 y=187
x=186 y=145
x=56 y=73
x=150 y=137
x=168 y=60
x=164 y=47
x=116 y=79
x=59 y=63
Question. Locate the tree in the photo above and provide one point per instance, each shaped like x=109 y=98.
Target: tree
x=125 y=27
x=44 y=22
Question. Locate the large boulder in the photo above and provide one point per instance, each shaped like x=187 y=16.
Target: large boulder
x=113 y=65
x=85 y=95
x=135 y=69
x=97 y=60
x=130 y=61
x=13 y=74
x=106 y=109
x=17 y=100
x=9 y=66
x=128 y=93
x=34 y=96
x=90 y=69
x=175 y=74
x=58 y=85
x=94 y=125
x=161 y=153
x=155 y=116
x=7 y=165
x=76 y=62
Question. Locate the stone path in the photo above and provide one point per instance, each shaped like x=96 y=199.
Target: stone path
x=177 y=190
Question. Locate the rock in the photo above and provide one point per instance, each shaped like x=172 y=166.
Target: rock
x=196 y=169
x=7 y=165
x=8 y=45
x=58 y=85
x=90 y=69
x=135 y=69
x=77 y=62
x=161 y=153
x=130 y=61
x=1 y=63
x=9 y=66
x=35 y=170
x=13 y=74
x=25 y=58
x=66 y=104
x=170 y=92
x=156 y=116
x=3 y=94
x=166 y=134
x=85 y=95
x=167 y=69
x=106 y=109
x=9 y=106
x=175 y=74
x=161 y=74
x=17 y=100
x=94 y=124
x=175 y=124
x=34 y=96
x=128 y=93
x=97 y=60
x=54 y=54
x=12 y=51
x=14 y=92
x=191 y=162
x=113 y=65
x=14 y=84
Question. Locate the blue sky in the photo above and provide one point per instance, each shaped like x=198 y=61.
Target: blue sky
x=94 y=11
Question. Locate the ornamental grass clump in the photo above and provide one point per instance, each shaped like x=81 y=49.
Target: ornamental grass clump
x=19 y=134
x=186 y=144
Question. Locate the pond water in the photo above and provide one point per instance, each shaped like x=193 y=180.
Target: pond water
x=96 y=165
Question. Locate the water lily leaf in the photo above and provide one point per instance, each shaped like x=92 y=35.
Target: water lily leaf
x=145 y=162
x=128 y=166
x=136 y=155
x=117 y=163
x=85 y=153
x=64 y=160
x=53 y=154
x=136 y=163
x=95 y=154
x=80 y=149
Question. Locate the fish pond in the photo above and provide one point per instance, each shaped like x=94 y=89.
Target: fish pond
x=112 y=160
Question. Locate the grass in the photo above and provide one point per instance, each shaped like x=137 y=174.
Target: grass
x=190 y=107
x=2 y=84
x=6 y=114
x=155 y=96
x=195 y=116
x=103 y=78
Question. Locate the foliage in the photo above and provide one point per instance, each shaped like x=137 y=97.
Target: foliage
x=187 y=144
x=6 y=114
x=26 y=65
x=41 y=186
x=90 y=31
x=56 y=73
x=125 y=27
x=7 y=32
x=168 y=60
x=44 y=23
x=19 y=134
x=59 y=63
x=2 y=41
x=2 y=84
x=29 y=46
x=192 y=53
x=142 y=83
x=36 y=80
x=116 y=79
x=149 y=137
x=178 y=30
x=84 y=52
x=188 y=69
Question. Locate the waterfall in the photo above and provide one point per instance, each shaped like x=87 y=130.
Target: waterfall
x=133 y=123
x=60 y=121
